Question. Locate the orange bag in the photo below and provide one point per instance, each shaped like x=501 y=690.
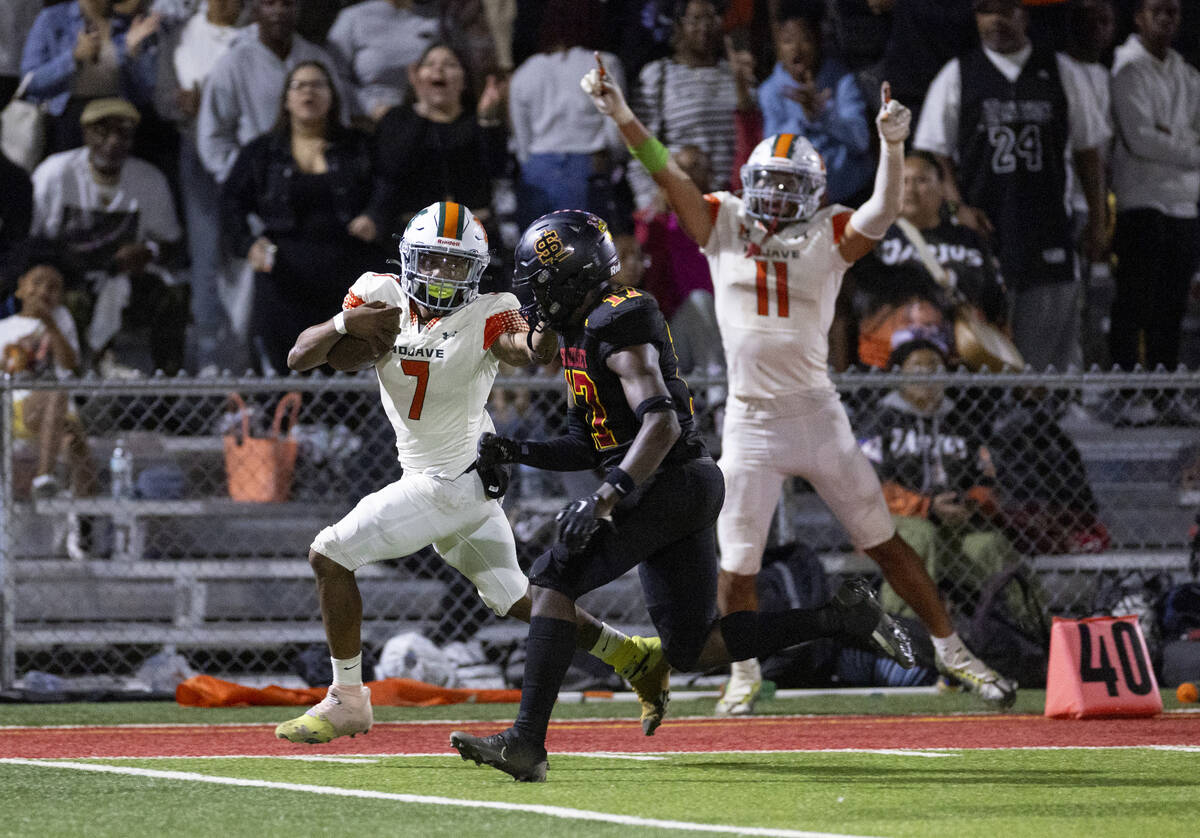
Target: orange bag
x=260 y=469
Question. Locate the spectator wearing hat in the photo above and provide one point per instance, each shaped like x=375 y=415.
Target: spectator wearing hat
x=87 y=49
x=112 y=218
x=937 y=475
x=1002 y=118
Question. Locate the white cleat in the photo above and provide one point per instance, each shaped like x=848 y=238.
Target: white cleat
x=345 y=711
x=961 y=665
x=742 y=689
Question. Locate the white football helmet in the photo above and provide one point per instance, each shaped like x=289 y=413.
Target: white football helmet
x=783 y=180
x=443 y=254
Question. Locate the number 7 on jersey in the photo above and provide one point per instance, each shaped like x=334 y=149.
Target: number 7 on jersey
x=420 y=371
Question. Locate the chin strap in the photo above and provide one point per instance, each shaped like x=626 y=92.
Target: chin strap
x=753 y=248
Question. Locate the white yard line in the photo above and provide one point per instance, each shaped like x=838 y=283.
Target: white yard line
x=364 y=758
x=644 y=756
x=562 y=812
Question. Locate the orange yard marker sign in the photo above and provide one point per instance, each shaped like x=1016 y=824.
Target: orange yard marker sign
x=1100 y=667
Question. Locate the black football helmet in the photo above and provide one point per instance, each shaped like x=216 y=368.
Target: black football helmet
x=561 y=257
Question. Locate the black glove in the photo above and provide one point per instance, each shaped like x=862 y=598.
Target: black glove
x=577 y=523
x=495 y=481
x=492 y=450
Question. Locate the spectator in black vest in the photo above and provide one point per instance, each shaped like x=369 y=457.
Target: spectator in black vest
x=1001 y=119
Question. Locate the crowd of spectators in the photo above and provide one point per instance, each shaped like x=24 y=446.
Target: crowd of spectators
x=215 y=173
x=478 y=101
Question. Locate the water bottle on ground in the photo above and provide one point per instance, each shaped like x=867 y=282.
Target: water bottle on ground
x=121 y=467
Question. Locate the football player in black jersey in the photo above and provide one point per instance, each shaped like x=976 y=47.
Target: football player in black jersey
x=656 y=508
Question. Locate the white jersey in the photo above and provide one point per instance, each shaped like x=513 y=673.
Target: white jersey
x=435 y=381
x=775 y=307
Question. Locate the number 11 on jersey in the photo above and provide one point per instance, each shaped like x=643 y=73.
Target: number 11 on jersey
x=761 y=269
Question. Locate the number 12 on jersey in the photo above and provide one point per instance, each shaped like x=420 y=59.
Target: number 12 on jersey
x=762 y=269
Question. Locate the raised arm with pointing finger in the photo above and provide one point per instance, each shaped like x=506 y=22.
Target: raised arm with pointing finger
x=867 y=225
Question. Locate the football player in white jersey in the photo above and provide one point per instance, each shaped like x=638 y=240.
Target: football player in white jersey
x=777 y=259
x=436 y=344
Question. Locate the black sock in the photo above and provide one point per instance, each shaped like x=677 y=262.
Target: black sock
x=749 y=634
x=547 y=657
x=780 y=629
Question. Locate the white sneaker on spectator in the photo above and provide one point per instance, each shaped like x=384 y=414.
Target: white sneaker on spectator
x=76 y=549
x=109 y=368
x=45 y=486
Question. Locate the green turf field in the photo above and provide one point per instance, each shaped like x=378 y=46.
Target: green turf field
x=1009 y=793
x=994 y=793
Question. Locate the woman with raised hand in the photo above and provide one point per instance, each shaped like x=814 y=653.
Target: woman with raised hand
x=441 y=144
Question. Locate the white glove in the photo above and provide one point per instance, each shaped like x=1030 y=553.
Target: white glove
x=894 y=119
x=606 y=96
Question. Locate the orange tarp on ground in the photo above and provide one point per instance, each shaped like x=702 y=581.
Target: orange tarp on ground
x=206 y=691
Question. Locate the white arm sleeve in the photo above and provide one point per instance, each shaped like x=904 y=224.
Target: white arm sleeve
x=874 y=217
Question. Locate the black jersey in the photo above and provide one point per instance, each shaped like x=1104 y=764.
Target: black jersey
x=624 y=318
x=1012 y=141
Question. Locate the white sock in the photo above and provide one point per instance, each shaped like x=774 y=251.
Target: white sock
x=347 y=672
x=747 y=670
x=944 y=646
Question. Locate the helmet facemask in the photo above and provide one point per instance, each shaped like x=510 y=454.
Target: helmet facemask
x=783 y=193
x=556 y=298
x=442 y=279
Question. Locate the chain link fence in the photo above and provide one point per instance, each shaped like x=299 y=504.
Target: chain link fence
x=1089 y=481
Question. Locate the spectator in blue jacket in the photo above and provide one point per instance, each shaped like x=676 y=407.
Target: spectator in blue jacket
x=814 y=95
x=85 y=50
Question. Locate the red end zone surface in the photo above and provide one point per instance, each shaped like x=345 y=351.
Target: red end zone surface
x=770 y=733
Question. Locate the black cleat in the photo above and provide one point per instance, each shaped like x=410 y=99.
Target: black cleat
x=505 y=751
x=869 y=625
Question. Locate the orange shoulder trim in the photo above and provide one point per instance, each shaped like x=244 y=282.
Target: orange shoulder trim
x=714 y=206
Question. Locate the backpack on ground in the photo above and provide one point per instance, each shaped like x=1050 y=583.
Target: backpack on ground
x=1010 y=629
